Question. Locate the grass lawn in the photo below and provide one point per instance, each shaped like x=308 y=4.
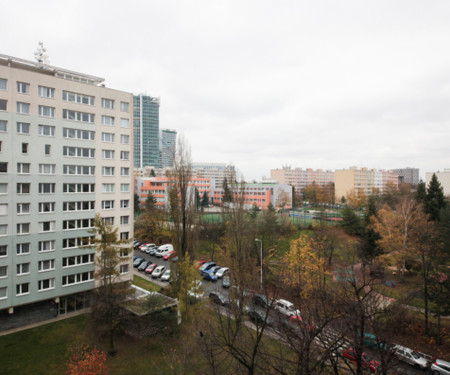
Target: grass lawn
x=145 y=284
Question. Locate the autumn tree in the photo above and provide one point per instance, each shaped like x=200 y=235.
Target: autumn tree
x=149 y=225
x=112 y=291
x=356 y=200
x=87 y=361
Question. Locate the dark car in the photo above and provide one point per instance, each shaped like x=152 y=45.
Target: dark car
x=219 y=299
x=259 y=317
x=137 y=262
x=142 y=267
x=207 y=266
x=137 y=244
x=261 y=300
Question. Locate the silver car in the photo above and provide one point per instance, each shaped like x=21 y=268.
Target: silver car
x=440 y=367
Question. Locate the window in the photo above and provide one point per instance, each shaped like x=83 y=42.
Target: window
x=78 y=134
x=108 y=220
x=78 y=188
x=3 y=84
x=124 y=171
x=123 y=253
x=78 y=278
x=125 y=139
x=23 y=168
x=46 y=246
x=3 y=167
x=3 y=271
x=3 y=209
x=107 y=103
x=78 y=260
x=23 y=228
x=47 y=149
x=79 y=206
x=23 y=269
x=70 y=243
x=107 y=188
x=3 y=125
x=22 y=289
x=3 y=292
x=23 y=188
x=46 y=92
x=107 y=205
x=78 y=98
x=23 y=108
x=81 y=170
x=124 y=106
x=124 y=269
x=125 y=203
x=23 y=128
x=78 y=116
x=124 y=188
x=46 y=207
x=25 y=148
x=124 y=220
x=3 y=250
x=124 y=123
x=46 y=111
x=3 y=104
x=124 y=155
x=124 y=236
x=3 y=188
x=46 y=284
x=108 y=120
x=107 y=171
x=46 y=130
x=108 y=137
x=23 y=88
x=47 y=188
x=3 y=229
x=47 y=168
x=79 y=152
x=46 y=265
x=108 y=154
x=46 y=226
x=78 y=224
x=1 y=145
x=23 y=208
x=23 y=248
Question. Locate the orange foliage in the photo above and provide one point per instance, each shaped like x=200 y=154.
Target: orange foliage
x=87 y=362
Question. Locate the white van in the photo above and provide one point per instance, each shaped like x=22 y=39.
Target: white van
x=285 y=307
x=410 y=356
x=163 y=250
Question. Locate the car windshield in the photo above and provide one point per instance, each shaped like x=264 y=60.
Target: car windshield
x=415 y=355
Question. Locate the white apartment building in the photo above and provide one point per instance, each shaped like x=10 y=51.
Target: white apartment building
x=300 y=178
x=65 y=155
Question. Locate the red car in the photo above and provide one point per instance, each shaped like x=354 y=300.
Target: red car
x=170 y=255
x=200 y=263
x=367 y=362
x=150 y=268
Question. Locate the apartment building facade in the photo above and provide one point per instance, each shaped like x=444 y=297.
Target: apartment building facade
x=443 y=178
x=300 y=178
x=362 y=180
x=65 y=155
x=408 y=175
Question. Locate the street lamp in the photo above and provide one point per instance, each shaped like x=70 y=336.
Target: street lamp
x=260 y=247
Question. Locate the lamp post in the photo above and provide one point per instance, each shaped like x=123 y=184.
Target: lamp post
x=260 y=248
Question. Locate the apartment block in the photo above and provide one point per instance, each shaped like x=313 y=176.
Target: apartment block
x=300 y=178
x=362 y=179
x=65 y=155
x=408 y=175
x=443 y=177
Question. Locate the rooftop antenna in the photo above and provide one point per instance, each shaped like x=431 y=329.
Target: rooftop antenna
x=41 y=56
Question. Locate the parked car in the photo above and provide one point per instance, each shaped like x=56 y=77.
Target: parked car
x=163 y=250
x=207 y=266
x=286 y=308
x=153 y=250
x=261 y=300
x=220 y=273
x=371 y=341
x=367 y=362
x=170 y=255
x=259 y=317
x=150 y=268
x=211 y=273
x=158 y=272
x=137 y=262
x=226 y=281
x=411 y=357
x=137 y=244
x=219 y=299
x=148 y=248
x=440 y=367
x=166 y=276
x=142 y=267
x=199 y=263
x=143 y=246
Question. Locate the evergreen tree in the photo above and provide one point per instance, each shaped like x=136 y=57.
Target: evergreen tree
x=435 y=200
x=150 y=202
x=351 y=222
x=370 y=248
x=421 y=193
x=227 y=196
x=137 y=204
x=205 y=200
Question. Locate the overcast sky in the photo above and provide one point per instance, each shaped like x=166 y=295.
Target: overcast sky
x=263 y=84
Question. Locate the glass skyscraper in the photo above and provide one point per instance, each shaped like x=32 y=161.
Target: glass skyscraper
x=168 y=147
x=146 y=131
